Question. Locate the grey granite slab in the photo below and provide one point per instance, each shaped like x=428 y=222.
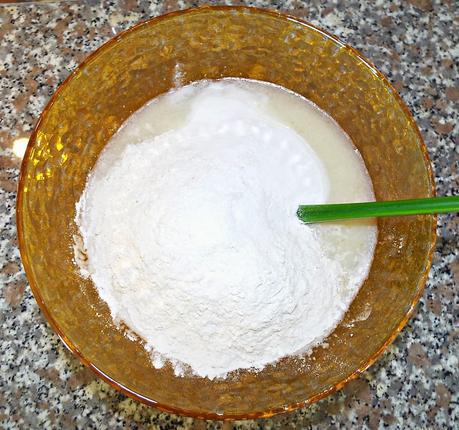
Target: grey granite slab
x=415 y=383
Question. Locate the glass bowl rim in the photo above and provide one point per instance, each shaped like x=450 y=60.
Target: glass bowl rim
x=99 y=372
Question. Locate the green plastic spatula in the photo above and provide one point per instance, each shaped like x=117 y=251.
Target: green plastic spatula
x=342 y=211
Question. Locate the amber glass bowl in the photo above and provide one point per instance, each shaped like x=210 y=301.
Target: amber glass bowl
x=211 y=43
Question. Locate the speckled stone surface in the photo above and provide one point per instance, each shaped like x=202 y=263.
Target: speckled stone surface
x=415 y=383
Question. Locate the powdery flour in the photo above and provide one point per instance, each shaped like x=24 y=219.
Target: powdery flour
x=192 y=237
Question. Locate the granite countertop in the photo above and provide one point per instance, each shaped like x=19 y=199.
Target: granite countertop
x=414 y=384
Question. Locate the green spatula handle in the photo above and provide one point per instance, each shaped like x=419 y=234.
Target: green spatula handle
x=333 y=212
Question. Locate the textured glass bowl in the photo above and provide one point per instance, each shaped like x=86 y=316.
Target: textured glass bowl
x=211 y=43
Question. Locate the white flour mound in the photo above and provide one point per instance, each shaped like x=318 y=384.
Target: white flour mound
x=193 y=241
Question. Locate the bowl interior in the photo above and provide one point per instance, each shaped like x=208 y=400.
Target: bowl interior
x=213 y=43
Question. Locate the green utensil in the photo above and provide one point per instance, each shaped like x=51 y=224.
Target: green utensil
x=341 y=211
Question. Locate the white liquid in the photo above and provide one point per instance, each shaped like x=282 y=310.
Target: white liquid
x=189 y=222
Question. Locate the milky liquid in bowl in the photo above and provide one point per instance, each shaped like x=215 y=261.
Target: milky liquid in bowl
x=311 y=289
